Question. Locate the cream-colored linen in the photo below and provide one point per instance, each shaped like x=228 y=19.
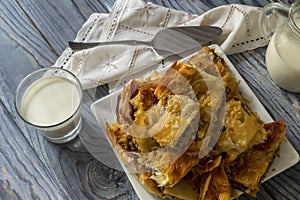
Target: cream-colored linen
x=139 y=20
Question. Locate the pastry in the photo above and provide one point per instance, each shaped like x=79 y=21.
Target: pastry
x=190 y=134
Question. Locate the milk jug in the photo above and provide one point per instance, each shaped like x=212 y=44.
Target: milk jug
x=281 y=25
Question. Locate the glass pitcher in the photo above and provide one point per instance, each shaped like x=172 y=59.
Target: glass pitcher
x=280 y=24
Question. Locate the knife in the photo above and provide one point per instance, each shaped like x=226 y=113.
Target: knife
x=166 y=42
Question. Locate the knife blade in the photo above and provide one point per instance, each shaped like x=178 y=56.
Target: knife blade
x=166 y=42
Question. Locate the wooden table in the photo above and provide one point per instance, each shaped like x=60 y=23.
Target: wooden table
x=33 y=35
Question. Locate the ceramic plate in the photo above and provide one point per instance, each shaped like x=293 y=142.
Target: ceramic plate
x=104 y=111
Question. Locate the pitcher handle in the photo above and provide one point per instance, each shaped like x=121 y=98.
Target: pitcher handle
x=272 y=17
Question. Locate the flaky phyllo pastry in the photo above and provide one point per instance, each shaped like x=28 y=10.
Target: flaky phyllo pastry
x=189 y=134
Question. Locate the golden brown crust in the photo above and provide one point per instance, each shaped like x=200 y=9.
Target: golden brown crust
x=124 y=109
x=180 y=167
x=249 y=169
x=147 y=182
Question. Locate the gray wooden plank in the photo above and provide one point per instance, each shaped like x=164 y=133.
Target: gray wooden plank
x=42 y=28
x=65 y=180
x=17 y=29
x=46 y=170
x=23 y=174
x=59 y=21
x=33 y=34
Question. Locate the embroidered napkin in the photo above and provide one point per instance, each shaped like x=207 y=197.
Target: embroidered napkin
x=139 y=20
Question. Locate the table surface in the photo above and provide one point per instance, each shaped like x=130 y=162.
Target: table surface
x=33 y=35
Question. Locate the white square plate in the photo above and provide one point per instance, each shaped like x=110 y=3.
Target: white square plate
x=104 y=111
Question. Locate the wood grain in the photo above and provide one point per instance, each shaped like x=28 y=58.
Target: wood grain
x=32 y=35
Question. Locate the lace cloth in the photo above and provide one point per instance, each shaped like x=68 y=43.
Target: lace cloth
x=139 y=20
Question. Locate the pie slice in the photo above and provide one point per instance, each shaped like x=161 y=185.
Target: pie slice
x=248 y=170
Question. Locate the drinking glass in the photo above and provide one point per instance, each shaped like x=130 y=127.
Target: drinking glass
x=49 y=99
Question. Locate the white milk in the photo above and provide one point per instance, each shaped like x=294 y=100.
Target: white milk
x=283 y=59
x=49 y=101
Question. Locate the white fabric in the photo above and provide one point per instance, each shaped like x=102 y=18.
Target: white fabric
x=139 y=20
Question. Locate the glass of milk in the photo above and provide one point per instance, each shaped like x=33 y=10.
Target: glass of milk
x=280 y=24
x=50 y=100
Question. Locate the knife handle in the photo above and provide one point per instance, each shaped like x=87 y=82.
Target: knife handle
x=77 y=46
